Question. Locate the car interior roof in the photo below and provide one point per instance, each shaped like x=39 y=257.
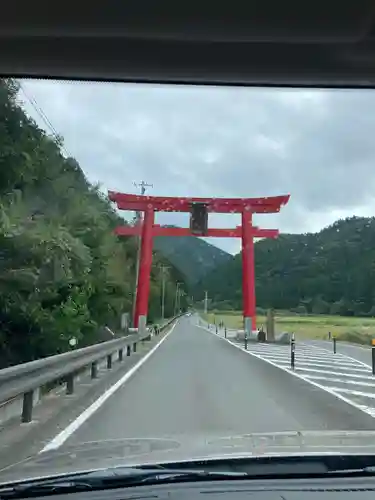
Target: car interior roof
x=327 y=43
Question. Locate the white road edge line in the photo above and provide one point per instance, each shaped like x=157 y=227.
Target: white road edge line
x=60 y=438
x=322 y=387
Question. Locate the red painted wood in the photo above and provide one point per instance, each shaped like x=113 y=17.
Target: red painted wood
x=245 y=206
x=143 y=287
x=135 y=202
x=212 y=233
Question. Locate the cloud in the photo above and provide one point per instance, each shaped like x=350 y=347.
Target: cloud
x=316 y=145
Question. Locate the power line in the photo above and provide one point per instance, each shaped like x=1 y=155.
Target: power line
x=42 y=115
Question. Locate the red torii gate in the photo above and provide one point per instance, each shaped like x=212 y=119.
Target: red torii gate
x=245 y=206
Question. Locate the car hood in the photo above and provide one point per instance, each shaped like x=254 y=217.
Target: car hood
x=98 y=455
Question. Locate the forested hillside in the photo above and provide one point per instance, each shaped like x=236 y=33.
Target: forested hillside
x=332 y=271
x=63 y=272
x=193 y=256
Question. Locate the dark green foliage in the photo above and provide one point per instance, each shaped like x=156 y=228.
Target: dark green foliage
x=332 y=271
x=63 y=272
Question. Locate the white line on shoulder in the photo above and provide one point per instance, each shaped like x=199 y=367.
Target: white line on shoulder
x=60 y=438
x=368 y=411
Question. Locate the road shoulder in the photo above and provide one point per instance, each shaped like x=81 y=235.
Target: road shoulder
x=56 y=411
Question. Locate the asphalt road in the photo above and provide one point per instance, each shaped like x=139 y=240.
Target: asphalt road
x=198 y=384
x=359 y=353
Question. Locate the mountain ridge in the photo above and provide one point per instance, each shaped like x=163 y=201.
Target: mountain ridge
x=192 y=256
x=330 y=271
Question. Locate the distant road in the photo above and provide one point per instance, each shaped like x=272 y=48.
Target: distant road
x=198 y=384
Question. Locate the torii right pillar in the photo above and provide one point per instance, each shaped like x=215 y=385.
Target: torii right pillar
x=248 y=271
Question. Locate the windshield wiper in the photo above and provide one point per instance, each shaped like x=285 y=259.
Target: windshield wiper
x=114 y=478
x=40 y=488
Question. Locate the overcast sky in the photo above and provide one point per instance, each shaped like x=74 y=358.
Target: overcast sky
x=317 y=145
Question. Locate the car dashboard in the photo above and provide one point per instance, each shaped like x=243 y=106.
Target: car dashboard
x=280 y=489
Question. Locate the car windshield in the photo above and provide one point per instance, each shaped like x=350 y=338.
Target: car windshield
x=185 y=272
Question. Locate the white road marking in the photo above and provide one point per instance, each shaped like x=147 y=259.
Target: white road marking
x=301 y=362
x=354 y=393
x=341 y=381
x=367 y=409
x=314 y=354
x=347 y=344
x=330 y=372
x=309 y=360
x=58 y=440
x=265 y=353
x=367 y=365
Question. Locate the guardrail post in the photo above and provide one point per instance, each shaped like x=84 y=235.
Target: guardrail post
x=292 y=352
x=70 y=383
x=94 y=369
x=64 y=368
x=109 y=361
x=27 y=406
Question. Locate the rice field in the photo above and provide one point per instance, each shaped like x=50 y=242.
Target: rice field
x=351 y=329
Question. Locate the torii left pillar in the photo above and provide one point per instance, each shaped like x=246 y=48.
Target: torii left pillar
x=145 y=264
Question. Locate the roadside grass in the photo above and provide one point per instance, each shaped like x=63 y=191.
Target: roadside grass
x=355 y=330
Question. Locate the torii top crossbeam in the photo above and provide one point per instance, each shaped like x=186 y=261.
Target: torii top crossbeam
x=136 y=202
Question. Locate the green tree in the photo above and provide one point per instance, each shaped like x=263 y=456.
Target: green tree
x=63 y=272
x=331 y=270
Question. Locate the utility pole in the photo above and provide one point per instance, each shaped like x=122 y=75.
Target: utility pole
x=205 y=301
x=177 y=298
x=138 y=221
x=162 y=272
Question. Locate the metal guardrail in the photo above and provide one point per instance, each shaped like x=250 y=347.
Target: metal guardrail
x=25 y=378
